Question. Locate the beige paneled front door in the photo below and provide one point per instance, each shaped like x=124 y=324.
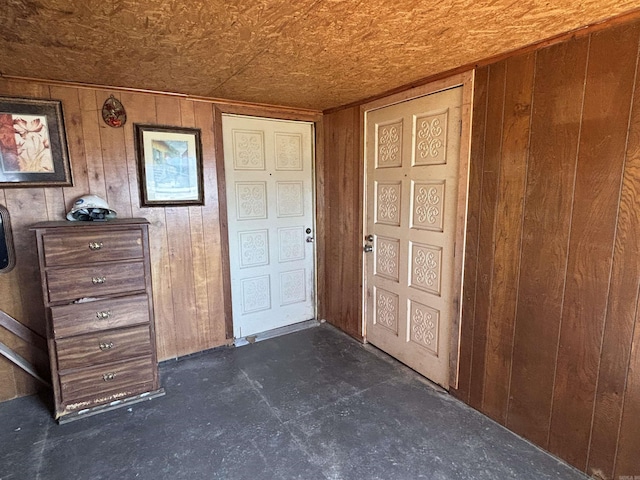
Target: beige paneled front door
x=412 y=165
x=270 y=211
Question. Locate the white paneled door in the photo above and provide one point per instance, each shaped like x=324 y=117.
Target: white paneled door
x=412 y=152
x=270 y=211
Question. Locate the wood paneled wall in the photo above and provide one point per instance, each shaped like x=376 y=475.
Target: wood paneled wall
x=186 y=243
x=550 y=340
x=341 y=284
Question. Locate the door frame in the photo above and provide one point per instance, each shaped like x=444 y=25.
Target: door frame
x=465 y=80
x=270 y=113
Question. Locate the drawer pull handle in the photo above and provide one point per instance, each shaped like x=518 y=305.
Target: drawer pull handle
x=106 y=346
x=108 y=376
x=103 y=315
x=98 y=280
x=95 y=245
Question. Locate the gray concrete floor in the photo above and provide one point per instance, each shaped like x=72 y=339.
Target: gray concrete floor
x=310 y=405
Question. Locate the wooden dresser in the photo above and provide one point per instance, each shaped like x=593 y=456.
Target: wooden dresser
x=96 y=285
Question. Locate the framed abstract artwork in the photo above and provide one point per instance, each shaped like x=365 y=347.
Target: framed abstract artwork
x=33 y=144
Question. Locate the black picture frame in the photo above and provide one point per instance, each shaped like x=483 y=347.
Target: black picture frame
x=7 y=252
x=169 y=165
x=33 y=144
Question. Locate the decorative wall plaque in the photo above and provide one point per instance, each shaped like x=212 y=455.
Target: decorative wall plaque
x=113 y=112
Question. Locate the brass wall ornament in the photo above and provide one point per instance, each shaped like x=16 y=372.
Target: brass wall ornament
x=113 y=112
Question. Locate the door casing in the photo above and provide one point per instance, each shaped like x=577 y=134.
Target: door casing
x=267 y=112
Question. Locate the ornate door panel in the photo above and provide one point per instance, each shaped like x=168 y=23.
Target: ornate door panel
x=412 y=161
x=268 y=171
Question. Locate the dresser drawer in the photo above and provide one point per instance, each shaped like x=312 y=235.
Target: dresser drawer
x=90 y=317
x=91 y=247
x=101 y=382
x=104 y=347
x=95 y=280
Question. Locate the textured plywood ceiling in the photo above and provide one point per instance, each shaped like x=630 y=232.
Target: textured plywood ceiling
x=306 y=53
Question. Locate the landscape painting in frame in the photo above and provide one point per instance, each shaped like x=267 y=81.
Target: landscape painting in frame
x=33 y=145
x=169 y=165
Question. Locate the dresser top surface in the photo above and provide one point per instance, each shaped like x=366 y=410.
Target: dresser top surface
x=118 y=222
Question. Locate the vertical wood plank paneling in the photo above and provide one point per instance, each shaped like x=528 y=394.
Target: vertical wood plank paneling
x=224 y=224
x=320 y=233
x=187 y=114
x=343 y=257
x=27 y=206
x=142 y=109
x=507 y=234
x=621 y=310
x=198 y=248
x=557 y=107
x=92 y=145
x=55 y=197
x=193 y=336
x=214 y=327
x=114 y=164
x=627 y=460
x=14 y=88
x=488 y=203
x=351 y=223
x=331 y=122
x=598 y=177
x=75 y=143
x=168 y=113
x=476 y=162
x=179 y=242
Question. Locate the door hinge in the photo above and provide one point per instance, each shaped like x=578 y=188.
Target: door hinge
x=460 y=126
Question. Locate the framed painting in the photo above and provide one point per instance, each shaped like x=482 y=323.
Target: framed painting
x=169 y=165
x=33 y=144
